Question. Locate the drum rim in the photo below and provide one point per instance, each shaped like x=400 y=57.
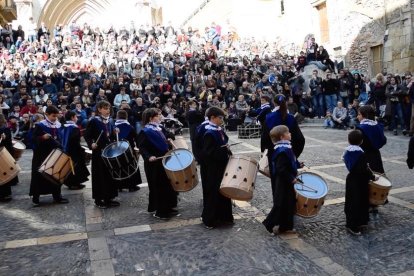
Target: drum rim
x=373 y=183
x=324 y=181
x=170 y=153
x=109 y=145
x=247 y=158
x=19 y=143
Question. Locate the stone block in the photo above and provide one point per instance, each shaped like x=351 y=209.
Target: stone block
x=98 y=249
x=102 y=268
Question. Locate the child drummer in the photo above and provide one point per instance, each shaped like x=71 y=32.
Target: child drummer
x=356 y=191
x=46 y=137
x=283 y=177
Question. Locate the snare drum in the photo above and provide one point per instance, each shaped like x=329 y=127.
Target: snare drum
x=264 y=164
x=310 y=195
x=120 y=160
x=56 y=167
x=379 y=189
x=239 y=178
x=180 y=143
x=8 y=166
x=181 y=170
x=18 y=149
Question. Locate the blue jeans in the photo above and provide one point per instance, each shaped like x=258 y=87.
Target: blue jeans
x=317 y=102
x=331 y=101
x=138 y=127
x=397 y=116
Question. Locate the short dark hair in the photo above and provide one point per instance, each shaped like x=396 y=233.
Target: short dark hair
x=355 y=137
x=51 y=109
x=367 y=112
x=122 y=115
x=69 y=114
x=148 y=114
x=277 y=132
x=214 y=111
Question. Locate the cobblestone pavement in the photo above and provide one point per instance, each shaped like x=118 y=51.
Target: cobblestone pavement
x=79 y=239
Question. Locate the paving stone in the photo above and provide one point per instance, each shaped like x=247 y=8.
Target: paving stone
x=20 y=220
x=244 y=249
x=69 y=258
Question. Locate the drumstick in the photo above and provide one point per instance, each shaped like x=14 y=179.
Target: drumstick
x=303 y=184
x=161 y=157
x=99 y=137
x=231 y=144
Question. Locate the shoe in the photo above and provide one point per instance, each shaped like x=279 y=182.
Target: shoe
x=404 y=132
x=61 y=200
x=208 y=227
x=100 y=204
x=174 y=213
x=77 y=187
x=160 y=217
x=353 y=231
x=134 y=189
x=112 y=203
x=36 y=201
x=5 y=198
x=395 y=132
x=286 y=232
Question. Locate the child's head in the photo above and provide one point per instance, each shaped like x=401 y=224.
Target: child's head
x=52 y=113
x=280 y=133
x=355 y=137
x=122 y=115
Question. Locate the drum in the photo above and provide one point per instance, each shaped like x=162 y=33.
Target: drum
x=239 y=178
x=264 y=164
x=18 y=149
x=56 y=167
x=310 y=195
x=181 y=169
x=379 y=189
x=88 y=155
x=180 y=143
x=8 y=166
x=120 y=159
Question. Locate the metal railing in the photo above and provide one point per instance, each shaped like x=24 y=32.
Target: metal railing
x=195 y=12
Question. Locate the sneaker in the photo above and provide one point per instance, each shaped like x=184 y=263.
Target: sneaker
x=112 y=203
x=77 y=187
x=174 y=213
x=134 y=189
x=395 y=132
x=100 y=204
x=160 y=217
x=353 y=231
x=36 y=201
x=61 y=200
x=404 y=132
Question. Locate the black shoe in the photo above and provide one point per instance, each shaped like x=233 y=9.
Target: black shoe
x=36 y=201
x=61 y=200
x=120 y=190
x=163 y=217
x=112 y=203
x=134 y=189
x=77 y=187
x=100 y=204
x=395 y=132
x=404 y=132
x=174 y=213
x=354 y=231
x=5 y=198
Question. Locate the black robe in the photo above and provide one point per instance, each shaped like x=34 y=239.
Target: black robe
x=5 y=189
x=410 y=154
x=103 y=185
x=127 y=133
x=217 y=208
x=284 y=171
x=162 y=197
x=374 y=139
x=71 y=144
x=356 y=189
x=197 y=145
x=39 y=185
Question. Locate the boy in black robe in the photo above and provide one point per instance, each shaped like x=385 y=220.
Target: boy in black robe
x=410 y=154
x=357 y=181
x=284 y=172
x=71 y=146
x=217 y=209
x=46 y=137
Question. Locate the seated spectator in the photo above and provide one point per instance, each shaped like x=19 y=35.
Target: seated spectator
x=323 y=56
x=29 y=108
x=311 y=49
x=301 y=62
x=353 y=113
x=328 y=122
x=82 y=118
x=340 y=116
x=168 y=109
x=232 y=111
x=242 y=107
x=306 y=106
x=254 y=102
x=122 y=96
x=41 y=97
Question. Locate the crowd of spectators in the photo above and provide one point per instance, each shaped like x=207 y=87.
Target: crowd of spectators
x=73 y=67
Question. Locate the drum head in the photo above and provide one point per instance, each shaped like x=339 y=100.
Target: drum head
x=179 y=160
x=382 y=181
x=313 y=186
x=115 y=149
x=19 y=145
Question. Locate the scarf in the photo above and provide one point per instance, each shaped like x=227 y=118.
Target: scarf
x=351 y=156
x=374 y=132
x=121 y=121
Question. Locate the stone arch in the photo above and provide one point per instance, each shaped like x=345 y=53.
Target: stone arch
x=57 y=12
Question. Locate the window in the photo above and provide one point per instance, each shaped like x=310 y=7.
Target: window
x=282 y=7
x=376 y=55
x=323 y=22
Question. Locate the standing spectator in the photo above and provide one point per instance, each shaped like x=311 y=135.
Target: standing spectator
x=315 y=85
x=330 y=91
x=394 y=96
